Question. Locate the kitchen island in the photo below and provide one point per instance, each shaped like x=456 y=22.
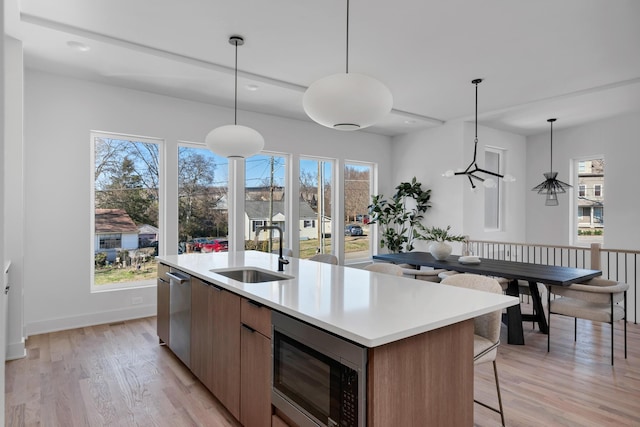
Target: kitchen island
x=419 y=335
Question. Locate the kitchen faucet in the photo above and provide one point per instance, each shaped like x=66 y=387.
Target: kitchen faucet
x=281 y=260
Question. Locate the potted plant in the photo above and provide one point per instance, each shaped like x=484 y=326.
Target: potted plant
x=439 y=237
x=399 y=218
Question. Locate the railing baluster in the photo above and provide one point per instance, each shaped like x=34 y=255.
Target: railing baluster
x=593 y=257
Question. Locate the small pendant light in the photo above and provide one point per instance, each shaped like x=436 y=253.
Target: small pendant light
x=235 y=141
x=551 y=186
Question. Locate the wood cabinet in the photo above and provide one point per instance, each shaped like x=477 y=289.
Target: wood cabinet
x=224 y=318
x=255 y=360
x=162 y=317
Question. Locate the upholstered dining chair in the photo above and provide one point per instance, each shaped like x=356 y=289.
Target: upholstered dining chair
x=486 y=338
x=427 y=274
x=326 y=258
x=597 y=300
x=385 y=267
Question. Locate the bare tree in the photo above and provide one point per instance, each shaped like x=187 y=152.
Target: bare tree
x=356 y=191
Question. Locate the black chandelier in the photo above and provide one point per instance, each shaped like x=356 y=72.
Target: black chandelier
x=473 y=169
x=551 y=186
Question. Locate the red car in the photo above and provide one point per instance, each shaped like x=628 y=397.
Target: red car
x=215 y=245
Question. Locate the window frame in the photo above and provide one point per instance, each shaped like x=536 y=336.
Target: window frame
x=161 y=143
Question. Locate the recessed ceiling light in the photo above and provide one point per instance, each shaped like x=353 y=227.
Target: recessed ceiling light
x=80 y=47
x=252 y=87
x=409 y=122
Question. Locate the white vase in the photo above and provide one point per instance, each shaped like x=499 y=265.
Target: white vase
x=440 y=250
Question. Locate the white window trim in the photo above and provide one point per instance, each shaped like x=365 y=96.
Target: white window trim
x=502 y=153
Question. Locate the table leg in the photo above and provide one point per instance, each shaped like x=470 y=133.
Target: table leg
x=537 y=303
x=515 y=334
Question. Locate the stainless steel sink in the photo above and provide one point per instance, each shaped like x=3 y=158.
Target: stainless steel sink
x=252 y=275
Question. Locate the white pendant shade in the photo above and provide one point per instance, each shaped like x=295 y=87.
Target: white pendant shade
x=235 y=141
x=347 y=101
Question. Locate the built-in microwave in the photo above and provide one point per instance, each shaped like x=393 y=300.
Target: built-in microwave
x=318 y=379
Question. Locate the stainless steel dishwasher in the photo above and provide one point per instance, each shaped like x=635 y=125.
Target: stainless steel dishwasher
x=180 y=315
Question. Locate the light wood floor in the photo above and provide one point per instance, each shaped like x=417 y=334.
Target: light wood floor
x=118 y=375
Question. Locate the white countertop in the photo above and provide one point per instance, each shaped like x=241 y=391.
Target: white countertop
x=371 y=309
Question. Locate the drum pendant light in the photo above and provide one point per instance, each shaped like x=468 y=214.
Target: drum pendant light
x=347 y=101
x=551 y=186
x=235 y=141
x=472 y=170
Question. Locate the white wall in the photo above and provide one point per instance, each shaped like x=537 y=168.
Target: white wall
x=617 y=140
x=3 y=226
x=13 y=197
x=59 y=114
x=428 y=154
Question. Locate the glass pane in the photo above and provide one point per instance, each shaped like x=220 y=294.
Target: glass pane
x=316 y=209
x=126 y=211
x=265 y=201
x=357 y=197
x=492 y=195
x=203 y=220
x=590 y=201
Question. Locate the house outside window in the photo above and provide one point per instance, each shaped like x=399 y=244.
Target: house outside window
x=582 y=190
x=309 y=223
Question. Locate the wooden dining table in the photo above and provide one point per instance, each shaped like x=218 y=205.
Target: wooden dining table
x=512 y=270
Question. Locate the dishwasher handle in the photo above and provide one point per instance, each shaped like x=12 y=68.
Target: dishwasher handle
x=178 y=277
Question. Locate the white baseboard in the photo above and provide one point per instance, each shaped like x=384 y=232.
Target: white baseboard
x=64 y=323
x=16 y=350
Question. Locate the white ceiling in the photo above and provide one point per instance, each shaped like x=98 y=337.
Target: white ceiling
x=577 y=60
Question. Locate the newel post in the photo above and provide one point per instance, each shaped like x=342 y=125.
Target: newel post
x=595 y=256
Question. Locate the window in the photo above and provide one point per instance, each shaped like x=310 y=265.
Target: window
x=203 y=184
x=265 y=199
x=125 y=207
x=493 y=158
x=256 y=224
x=110 y=241
x=589 y=201
x=597 y=190
x=316 y=207
x=358 y=187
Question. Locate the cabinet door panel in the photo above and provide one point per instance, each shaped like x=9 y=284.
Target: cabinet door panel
x=225 y=349
x=255 y=379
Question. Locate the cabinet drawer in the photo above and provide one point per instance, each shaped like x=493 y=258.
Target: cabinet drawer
x=256 y=316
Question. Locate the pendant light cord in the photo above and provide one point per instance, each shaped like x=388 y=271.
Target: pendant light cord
x=347 y=37
x=235 y=103
x=475 y=140
x=551 y=162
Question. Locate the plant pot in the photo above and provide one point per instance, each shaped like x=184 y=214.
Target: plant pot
x=440 y=250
